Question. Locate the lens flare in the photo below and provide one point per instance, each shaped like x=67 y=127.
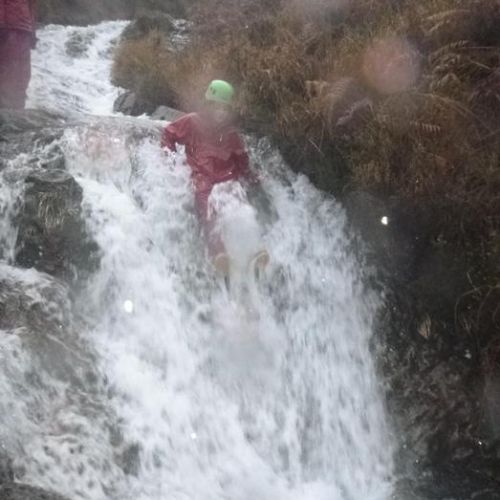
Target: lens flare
x=391 y=65
x=128 y=306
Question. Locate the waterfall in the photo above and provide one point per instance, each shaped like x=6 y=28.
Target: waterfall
x=155 y=386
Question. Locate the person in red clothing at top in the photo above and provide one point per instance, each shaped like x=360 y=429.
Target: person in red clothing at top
x=17 y=38
x=215 y=152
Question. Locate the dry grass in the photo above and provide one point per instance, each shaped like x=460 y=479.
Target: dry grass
x=406 y=93
x=84 y=12
x=141 y=65
x=438 y=143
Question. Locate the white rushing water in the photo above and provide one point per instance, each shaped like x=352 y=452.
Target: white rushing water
x=71 y=69
x=191 y=397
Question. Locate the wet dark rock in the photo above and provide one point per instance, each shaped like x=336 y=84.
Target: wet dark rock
x=52 y=236
x=32 y=305
x=166 y=114
x=405 y=488
x=133 y=104
x=14 y=491
x=325 y=167
x=53 y=160
x=492 y=403
x=433 y=385
x=155 y=21
x=146 y=98
x=6 y=470
x=433 y=395
x=459 y=482
x=37 y=308
x=78 y=43
x=28 y=131
x=21 y=121
x=442 y=409
x=391 y=234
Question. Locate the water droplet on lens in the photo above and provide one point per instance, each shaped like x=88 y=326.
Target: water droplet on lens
x=128 y=306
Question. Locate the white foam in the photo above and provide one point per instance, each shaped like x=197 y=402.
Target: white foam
x=64 y=83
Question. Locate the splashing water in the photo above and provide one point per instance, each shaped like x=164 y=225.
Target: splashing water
x=63 y=82
x=188 y=403
x=236 y=222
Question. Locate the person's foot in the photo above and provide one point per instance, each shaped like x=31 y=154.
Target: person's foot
x=261 y=260
x=222 y=263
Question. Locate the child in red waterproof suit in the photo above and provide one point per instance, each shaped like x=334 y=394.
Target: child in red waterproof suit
x=215 y=153
x=17 y=37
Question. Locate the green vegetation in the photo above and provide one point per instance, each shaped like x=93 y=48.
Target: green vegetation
x=398 y=98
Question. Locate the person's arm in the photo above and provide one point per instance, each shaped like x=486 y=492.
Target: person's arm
x=177 y=133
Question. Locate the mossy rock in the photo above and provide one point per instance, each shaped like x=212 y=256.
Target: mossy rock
x=52 y=236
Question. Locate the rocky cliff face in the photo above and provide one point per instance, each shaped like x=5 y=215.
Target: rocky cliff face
x=442 y=402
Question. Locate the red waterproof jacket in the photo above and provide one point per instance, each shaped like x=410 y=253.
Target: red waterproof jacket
x=213 y=158
x=17 y=15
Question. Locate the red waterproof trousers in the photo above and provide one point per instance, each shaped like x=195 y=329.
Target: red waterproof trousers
x=15 y=67
x=214 y=158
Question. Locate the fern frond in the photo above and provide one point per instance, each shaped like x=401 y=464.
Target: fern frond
x=447 y=15
x=448 y=48
x=427 y=128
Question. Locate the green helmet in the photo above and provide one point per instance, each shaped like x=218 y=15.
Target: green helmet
x=220 y=91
